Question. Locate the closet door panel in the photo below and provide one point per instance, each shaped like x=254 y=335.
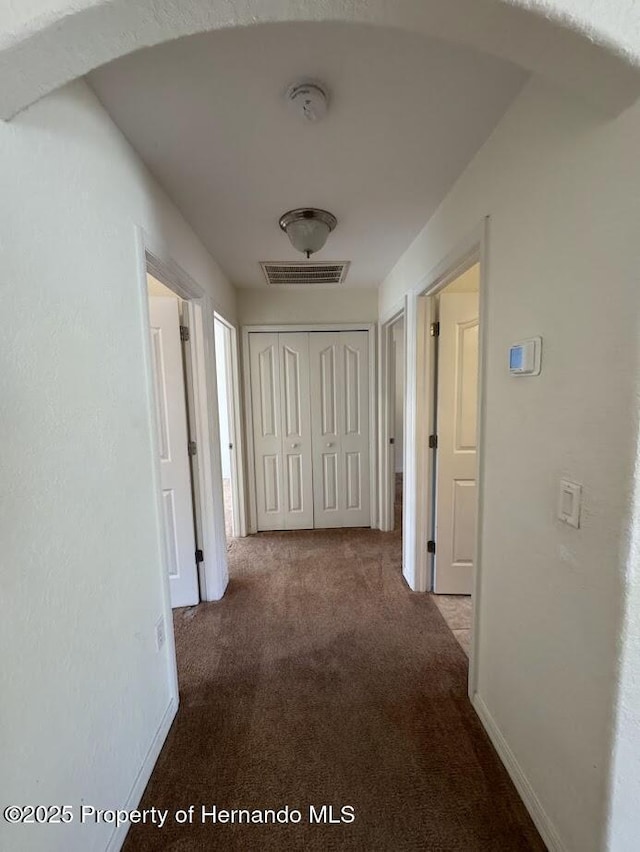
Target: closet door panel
x=267 y=436
x=340 y=428
x=354 y=410
x=324 y=356
x=296 y=430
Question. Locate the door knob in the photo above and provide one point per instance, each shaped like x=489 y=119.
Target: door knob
x=293 y=446
x=329 y=443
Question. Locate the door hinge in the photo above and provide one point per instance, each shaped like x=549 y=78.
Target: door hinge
x=435 y=329
x=184 y=333
x=431 y=546
x=392 y=440
x=192 y=448
x=199 y=556
x=433 y=442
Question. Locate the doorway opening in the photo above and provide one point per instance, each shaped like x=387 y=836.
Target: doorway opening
x=228 y=419
x=444 y=425
x=454 y=441
x=178 y=332
x=392 y=394
x=397 y=372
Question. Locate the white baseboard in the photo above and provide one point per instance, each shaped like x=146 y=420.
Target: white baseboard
x=537 y=813
x=142 y=778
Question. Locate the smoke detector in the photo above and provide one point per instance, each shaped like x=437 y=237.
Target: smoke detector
x=309 y=100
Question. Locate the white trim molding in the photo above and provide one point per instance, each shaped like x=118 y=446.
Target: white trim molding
x=117 y=839
x=409 y=478
x=386 y=425
x=234 y=398
x=541 y=819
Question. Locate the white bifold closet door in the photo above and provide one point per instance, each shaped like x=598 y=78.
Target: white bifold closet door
x=340 y=428
x=310 y=406
x=281 y=430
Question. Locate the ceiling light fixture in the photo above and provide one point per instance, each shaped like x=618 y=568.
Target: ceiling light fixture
x=308 y=228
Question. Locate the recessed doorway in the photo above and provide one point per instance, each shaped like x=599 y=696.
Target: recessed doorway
x=228 y=418
x=455 y=351
x=397 y=419
x=392 y=395
x=181 y=386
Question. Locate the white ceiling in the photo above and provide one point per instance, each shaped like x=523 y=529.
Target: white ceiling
x=208 y=116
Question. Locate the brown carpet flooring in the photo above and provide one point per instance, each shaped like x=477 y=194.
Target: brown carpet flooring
x=320 y=678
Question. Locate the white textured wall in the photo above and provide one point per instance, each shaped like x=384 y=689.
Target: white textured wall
x=562 y=188
x=83 y=688
x=264 y=306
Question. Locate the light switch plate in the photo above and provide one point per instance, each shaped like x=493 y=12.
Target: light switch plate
x=569 y=503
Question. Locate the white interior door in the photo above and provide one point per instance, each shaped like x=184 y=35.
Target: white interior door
x=171 y=424
x=457 y=403
x=282 y=433
x=340 y=428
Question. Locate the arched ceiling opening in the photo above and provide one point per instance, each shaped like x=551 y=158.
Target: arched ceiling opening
x=591 y=47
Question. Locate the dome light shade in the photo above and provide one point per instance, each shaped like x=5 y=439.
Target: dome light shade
x=308 y=228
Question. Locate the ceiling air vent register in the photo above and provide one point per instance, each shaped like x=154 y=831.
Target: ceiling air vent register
x=305 y=274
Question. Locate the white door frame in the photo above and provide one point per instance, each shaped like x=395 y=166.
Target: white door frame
x=370 y=328
x=208 y=499
x=386 y=427
x=419 y=420
x=232 y=357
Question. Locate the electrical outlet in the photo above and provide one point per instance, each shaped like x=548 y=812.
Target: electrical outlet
x=160 y=633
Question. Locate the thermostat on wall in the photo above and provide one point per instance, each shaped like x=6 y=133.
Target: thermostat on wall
x=525 y=357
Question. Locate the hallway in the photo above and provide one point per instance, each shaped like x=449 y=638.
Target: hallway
x=320 y=678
